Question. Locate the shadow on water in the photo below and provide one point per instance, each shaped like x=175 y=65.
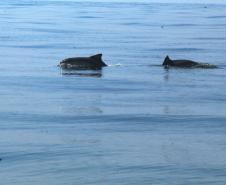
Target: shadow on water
x=82 y=73
x=79 y=103
x=166 y=74
x=168 y=69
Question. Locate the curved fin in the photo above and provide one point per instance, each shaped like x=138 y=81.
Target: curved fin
x=167 y=61
x=97 y=57
x=167 y=57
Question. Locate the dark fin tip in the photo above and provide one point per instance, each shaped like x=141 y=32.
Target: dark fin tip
x=97 y=57
x=166 y=61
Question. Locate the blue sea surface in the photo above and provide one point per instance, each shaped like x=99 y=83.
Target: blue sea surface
x=132 y=123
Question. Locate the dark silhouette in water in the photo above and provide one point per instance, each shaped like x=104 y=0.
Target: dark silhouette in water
x=185 y=63
x=96 y=74
x=94 y=62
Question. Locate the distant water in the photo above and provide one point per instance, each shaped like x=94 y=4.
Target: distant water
x=133 y=123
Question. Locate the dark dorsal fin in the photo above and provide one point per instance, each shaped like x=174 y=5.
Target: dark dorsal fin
x=167 y=57
x=97 y=57
x=167 y=61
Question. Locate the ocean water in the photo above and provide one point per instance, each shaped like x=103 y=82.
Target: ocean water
x=132 y=123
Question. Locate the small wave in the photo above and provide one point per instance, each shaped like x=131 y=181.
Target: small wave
x=210 y=38
x=217 y=17
x=49 y=30
x=177 y=49
x=132 y=23
x=39 y=46
x=180 y=25
x=89 y=17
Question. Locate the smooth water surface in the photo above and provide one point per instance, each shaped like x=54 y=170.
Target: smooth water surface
x=134 y=122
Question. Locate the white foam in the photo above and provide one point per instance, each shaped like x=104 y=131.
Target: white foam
x=114 y=65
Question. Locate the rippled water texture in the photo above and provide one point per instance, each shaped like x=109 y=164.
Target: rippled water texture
x=134 y=122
